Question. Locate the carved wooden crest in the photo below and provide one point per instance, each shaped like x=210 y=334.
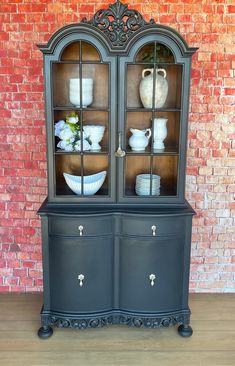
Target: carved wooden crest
x=118 y=22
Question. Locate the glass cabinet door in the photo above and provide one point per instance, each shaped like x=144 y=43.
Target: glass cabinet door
x=150 y=123
x=82 y=117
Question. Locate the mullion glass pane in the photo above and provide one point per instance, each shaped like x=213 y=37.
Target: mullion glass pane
x=165 y=132
x=96 y=175
x=63 y=92
x=67 y=172
x=89 y=52
x=134 y=166
x=71 y=52
x=151 y=53
x=167 y=168
x=96 y=130
x=96 y=85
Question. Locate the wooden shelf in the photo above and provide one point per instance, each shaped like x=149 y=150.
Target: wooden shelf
x=171 y=151
x=103 y=151
x=154 y=110
x=163 y=193
x=64 y=190
x=73 y=108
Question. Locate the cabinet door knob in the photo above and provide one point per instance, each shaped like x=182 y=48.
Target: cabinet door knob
x=81 y=278
x=80 y=228
x=152 y=277
x=154 y=230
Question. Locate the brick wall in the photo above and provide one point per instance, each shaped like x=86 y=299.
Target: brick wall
x=209 y=25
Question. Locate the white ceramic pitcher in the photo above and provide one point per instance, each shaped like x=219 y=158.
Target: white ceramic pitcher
x=139 y=139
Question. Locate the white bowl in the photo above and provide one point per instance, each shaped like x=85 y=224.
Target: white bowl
x=91 y=183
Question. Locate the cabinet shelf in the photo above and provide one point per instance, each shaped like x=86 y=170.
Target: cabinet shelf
x=62 y=152
x=64 y=190
x=154 y=110
x=130 y=192
x=148 y=152
x=73 y=108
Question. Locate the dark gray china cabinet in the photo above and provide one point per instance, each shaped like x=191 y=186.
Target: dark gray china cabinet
x=116 y=228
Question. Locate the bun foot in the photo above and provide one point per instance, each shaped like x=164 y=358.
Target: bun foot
x=45 y=332
x=185 y=330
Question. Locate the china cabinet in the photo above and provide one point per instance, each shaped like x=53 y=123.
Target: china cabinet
x=116 y=228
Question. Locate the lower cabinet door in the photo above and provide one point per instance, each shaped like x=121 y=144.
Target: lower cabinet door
x=81 y=274
x=151 y=274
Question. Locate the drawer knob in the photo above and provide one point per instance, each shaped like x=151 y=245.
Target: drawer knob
x=80 y=228
x=81 y=278
x=154 y=230
x=152 y=277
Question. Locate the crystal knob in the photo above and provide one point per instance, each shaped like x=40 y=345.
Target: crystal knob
x=152 y=277
x=81 y=278
x=154 y=230
x=80 y=229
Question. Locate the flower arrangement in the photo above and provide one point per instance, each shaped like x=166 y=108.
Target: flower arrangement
x=70 y=135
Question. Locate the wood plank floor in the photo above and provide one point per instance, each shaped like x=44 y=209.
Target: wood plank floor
x=212 y=343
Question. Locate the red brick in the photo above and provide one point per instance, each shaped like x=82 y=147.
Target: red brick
x=24 y=8
x=18 y=18
x=55 y=8
x=231 y=9
x=38 y=8
x=4 y=288
x=229 y=91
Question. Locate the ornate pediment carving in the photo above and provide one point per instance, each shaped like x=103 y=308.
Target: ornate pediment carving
x=118 y=22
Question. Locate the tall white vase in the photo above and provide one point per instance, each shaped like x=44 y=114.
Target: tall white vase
x=160 y=133
x=87 y=92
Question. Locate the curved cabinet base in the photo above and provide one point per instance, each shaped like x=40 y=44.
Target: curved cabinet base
x=84 y=321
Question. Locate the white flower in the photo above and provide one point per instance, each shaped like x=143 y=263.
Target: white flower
x=66 y=133
x=69 y=147
x=59 y=126
x=71 y=140
x=73 y=120
x=62 y=144
x=77 y=146
x=86 y=145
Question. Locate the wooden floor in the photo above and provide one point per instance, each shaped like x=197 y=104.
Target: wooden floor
x=212 y=344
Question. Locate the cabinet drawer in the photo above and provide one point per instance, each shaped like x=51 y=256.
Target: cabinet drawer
x=81 y=226
x=149 y=225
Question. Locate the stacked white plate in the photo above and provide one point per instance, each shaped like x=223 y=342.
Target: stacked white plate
x=142 y=187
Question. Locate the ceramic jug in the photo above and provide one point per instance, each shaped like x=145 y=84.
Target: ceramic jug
x=139 y=139
x=160 y=133
x=146 y=88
